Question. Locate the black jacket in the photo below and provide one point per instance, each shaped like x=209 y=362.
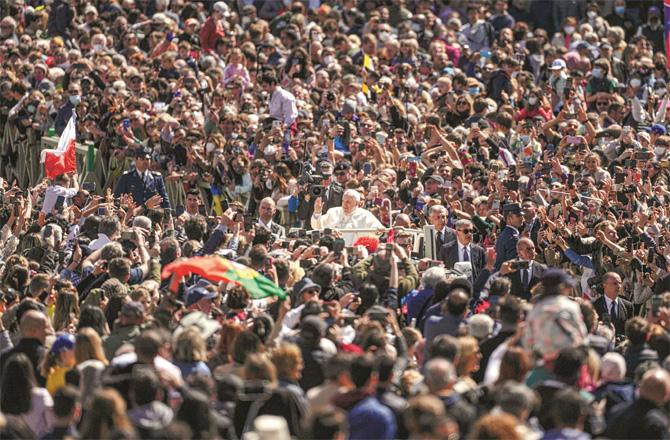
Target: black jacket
x=518 y=289
x=260 y=401
x=31 y=348
x=624 y=312
x=638 y=419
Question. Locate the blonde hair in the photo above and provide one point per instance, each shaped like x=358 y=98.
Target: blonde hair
x=88 y=345
x=286 y=359
x=189 y=346
x=67 y=304
x=469 y=346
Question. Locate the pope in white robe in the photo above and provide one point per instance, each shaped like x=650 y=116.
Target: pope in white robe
x=348 y=216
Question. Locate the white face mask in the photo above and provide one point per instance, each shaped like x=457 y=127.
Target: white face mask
x=328 y=60
x=98 y=47
x=635 y=82
x=659 y=151
x=532 y=100
x=592 y=14
x=569 y=30
x=209 y=147
x=384 y=36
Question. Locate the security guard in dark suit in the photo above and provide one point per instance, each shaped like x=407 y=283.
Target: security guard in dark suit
x=509 y=236
x=142 y=183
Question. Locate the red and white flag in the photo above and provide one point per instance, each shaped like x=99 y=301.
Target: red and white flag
x=64 y=158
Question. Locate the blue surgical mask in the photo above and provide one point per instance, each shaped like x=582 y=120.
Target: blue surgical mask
x=524 y=138
x=597 y=73
x=620 y=9
x=473 y=90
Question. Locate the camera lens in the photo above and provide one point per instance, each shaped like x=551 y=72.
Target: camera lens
x=330 y=96
x=317 y=191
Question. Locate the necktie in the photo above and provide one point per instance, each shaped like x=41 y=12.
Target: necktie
x=439 y=237
x=466 y=255
x=613 y=310
x=525 y=278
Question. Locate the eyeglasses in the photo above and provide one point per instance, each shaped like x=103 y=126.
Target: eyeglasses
x=340 y=173
x=466 y=231
x=600 y=104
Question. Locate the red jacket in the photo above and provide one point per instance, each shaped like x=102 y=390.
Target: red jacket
x=211 y=31
x=524 y=113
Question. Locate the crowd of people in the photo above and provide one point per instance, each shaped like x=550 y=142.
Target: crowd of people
x=465 y=203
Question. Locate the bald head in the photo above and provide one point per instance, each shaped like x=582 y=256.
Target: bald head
x=440 y=374
x=655 y=386
x=267 y=209
x=34 y=325
x=525 y=248
x=403 y=220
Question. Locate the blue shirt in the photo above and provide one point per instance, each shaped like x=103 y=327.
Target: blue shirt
x=369 y=419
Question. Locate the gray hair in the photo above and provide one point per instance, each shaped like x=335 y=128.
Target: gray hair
x=480 y=325
x=515 y=398
x=440 y=374
x=432 y=276
x=142 y=222
x=462 y=222
x=436 y=208
x=352 y=193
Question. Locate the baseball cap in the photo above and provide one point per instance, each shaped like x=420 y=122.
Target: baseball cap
x=558 y=64
x=657 y=128
x=196 y=293
x=133 y=309
x=63 y=342
x=437 y=178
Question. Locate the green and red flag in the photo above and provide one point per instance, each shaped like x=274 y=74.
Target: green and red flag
x=217 y=268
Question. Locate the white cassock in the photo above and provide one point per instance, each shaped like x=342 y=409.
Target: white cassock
x=336 y=219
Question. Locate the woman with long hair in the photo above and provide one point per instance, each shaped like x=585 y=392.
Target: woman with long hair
x=107 y=418
x=223 y=353
x=90 y=364
x=94 y=318
x=190 y=353
x=67 y=310
x=21 y=400
x=468 y=363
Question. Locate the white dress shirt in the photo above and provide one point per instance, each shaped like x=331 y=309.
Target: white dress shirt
x=461 y=253
x=282 y=106
x=51 y=195
x=335 y=218
x=608 y=304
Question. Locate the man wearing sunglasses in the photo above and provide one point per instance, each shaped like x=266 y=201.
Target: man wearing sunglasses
x=463 y=250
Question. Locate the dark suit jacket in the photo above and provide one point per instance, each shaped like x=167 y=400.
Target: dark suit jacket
x=449 y=254
x=277 y=229
x=518 y=289
x=448 y=236
x=131 y=183
x=506 y=246
x=624 y=312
